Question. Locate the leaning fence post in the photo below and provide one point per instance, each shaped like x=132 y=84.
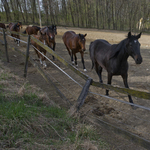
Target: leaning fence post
x=83 y=93
x=5 y=43
x=27 y=57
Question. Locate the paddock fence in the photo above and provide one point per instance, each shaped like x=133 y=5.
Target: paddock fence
x=112 y=113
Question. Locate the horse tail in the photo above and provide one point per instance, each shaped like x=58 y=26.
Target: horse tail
x=91 y=54
x=24 y=32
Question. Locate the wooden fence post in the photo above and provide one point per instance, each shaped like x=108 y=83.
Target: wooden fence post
x=5 y=43
x=83 y=93
x=27 y=57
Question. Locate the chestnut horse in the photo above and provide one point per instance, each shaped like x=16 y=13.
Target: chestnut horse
x=2 y=25
x=15 y=27
x=32 y=30
x=52 y=40
x=113 y=58
x=75 y=43
x=45 y=38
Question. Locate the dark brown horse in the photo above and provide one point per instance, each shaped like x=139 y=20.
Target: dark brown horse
x=2 y=25
x=52 y=42
x=113 y=58
x=45 y=38
x=75 y=43
x=15 y=27
x=32 y=30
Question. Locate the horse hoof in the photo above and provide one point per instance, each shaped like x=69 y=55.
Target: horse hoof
x=134 y=107
x=72 y=62
x=44 y=67
x=85 y=70
x=76 y=65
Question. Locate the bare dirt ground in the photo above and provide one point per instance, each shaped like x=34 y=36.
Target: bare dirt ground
x=135 y=121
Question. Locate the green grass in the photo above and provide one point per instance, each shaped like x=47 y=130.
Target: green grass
x=25 y=120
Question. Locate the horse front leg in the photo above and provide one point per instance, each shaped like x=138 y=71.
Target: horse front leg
x=18 y=40
x=43 y=60
x=72 y=58
x=125 y=78
x=75 y=57
x=54 y=44
x=109 y=82
x=82 y=59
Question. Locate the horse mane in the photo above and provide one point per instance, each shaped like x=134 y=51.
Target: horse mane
x=15 y=26
x=38 y=28
x=118 y=48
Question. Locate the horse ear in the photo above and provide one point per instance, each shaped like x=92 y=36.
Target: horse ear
x=85 y=35
x=129 y=34
x=139 y=35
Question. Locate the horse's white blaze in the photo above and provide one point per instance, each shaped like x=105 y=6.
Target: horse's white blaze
x=135 y=41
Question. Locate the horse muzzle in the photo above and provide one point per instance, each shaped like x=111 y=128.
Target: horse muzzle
x=138 y=59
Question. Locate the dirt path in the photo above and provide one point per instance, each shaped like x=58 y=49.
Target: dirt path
x=123 y=115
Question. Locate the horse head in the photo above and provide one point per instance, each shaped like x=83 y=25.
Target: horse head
x=82 y=41
x=50 y=34
x=54 y=28
x=133 y=47
x=19 y=24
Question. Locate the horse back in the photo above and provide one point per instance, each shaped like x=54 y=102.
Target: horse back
x=2 y=25
x=70 y=39
x=100 y=51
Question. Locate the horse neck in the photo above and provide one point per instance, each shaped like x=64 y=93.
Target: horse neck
x=122 y=52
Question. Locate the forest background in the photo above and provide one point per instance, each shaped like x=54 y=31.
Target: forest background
x=124 y=15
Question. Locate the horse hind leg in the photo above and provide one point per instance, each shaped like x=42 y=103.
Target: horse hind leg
x=99 y=71
x=70 y=53
x=109 y=82
x=72 y=58
x=82 y=59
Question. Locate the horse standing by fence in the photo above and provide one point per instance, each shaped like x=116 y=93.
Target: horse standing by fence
x=113 y=58
x=52 y=40
x=15 y=27
x=32 y=30
x=46 y=39
x=2 y=25
x=75 y=43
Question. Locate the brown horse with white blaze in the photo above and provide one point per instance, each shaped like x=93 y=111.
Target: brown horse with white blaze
x=75 y=43
x=52 y=40
x=45 y=38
